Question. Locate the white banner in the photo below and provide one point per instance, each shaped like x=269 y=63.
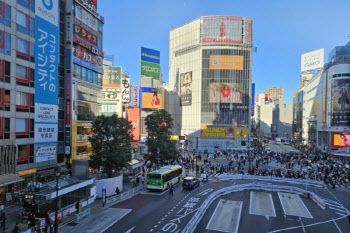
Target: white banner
x=46 y=113
x=125 y=90
x=312 y=60
x=47 y=10
x=45 y=153
x=45 y=133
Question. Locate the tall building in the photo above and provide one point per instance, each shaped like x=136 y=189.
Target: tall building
x=210 y=60
x=274 y=92
x=84 y=72
x=322 y=105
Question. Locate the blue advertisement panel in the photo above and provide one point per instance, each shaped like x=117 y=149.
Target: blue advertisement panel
x=253 y=100
x=46 y=72
x=150 y=55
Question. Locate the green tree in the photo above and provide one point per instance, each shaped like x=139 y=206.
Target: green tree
x=111 y=147
x=159 y=125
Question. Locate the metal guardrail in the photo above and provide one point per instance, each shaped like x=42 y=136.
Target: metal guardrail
x=124 y=195
x=83 y=214
x=272 y=178
x=190 y=227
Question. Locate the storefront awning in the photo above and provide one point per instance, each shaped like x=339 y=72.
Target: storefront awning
x=9 y=179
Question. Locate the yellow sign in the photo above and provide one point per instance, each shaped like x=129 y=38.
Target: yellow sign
x=152 y=100
x=340 y=139
x=26 y=172
x=241 y=132
x=226 y=62
x=224 y=132
x=174 y=137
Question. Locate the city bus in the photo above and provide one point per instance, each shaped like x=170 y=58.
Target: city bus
x=159 y=179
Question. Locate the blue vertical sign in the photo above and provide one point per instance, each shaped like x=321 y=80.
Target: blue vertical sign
x=46 y=77
x=252 y=100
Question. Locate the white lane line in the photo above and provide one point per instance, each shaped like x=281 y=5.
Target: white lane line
x=273 y=206
x=284 y=210
x=250 y=202
x=340 y=210
x=327 y=200
x=310 y=225
x=215 y=213
x=337 y=226
x=302 y=225
x=151 y=230
x=337 y=199
x=339 y=205
x=341 y=214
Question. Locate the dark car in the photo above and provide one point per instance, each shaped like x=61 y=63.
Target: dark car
x=190 y=182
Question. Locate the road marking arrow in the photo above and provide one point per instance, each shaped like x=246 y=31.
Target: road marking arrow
x=129 y=231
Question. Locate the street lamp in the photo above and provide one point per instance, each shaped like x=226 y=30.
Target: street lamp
x=158 y=151
x=57 y=172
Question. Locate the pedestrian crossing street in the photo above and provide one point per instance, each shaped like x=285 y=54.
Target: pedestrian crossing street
x=337 y=207
x=227 y=214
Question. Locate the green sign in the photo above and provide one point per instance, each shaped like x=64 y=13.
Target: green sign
x=150 y=69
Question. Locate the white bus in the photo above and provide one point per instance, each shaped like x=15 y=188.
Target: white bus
x=278 y=141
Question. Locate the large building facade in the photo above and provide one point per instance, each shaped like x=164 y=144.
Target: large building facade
x=210 y=75
x=321 y=105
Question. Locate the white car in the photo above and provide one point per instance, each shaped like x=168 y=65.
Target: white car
x=286 y=143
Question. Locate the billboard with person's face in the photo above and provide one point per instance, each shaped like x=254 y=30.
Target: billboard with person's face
x=225 y=93
x=340 y=102
x=151 y=98
x=340 y=139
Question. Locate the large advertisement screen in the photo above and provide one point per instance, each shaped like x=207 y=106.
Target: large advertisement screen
x=226 y=62
x=312 y=60
x=340 y=139
x=46 y=74
x=186 y=88
x=226 y=29
x=340 y=102
x=224 y=93
x=224 y=132
x=151 y=98
x=134 y=117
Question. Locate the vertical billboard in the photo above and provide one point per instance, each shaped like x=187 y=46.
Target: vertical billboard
x=312 y=60
x=186 y=88
x=134 y=97
x=134 y=117
x=252 y=100
x=125 y=89
x=150 y=63
x=340 y=102
x=46 y=78
x=151 y=98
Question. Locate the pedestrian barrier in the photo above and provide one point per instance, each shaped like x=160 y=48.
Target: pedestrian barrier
x=83 y=214
x=124 y=195
x=271 y=178
x=190 y=227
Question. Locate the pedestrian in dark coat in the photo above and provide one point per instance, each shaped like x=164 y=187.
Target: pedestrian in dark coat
x=3 y=221
x=171 y=191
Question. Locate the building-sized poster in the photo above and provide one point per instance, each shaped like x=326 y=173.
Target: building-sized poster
x=186 y=88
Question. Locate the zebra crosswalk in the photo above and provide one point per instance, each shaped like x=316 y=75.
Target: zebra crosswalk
x=337 y=207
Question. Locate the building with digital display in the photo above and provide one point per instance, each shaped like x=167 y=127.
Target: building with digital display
x=210 y=80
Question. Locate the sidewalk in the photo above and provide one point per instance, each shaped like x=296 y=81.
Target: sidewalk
x=13 y=211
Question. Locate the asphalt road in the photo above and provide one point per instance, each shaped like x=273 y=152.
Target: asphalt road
x=280 y=148
x=157 y=212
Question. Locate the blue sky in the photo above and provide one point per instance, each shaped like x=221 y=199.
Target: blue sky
x=283 y=30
